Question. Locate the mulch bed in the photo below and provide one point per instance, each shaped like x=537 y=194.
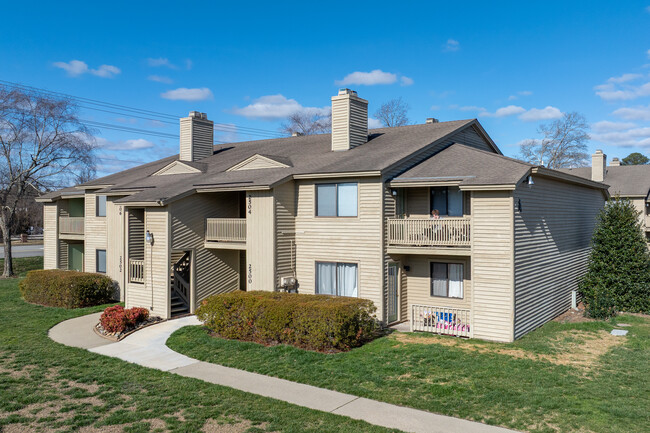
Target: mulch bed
x=117 y=336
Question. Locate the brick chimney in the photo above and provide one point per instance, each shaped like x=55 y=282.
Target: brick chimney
x=349 y=120
x=598 y=166
x=615 y=162
x=197 y=137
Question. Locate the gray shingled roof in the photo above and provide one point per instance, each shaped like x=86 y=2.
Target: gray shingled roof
x=468 y=165
x=308 y=155
x=623 y=180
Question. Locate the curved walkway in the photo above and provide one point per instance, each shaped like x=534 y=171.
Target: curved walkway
x=147 y=347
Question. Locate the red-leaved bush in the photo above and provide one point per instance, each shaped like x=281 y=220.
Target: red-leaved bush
x=118 y=319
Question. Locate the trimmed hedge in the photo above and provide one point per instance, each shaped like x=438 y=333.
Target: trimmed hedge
x=117 y=319
x=67 y=289
x=315 y=322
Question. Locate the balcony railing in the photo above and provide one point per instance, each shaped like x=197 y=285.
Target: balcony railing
x=136 y=271
x=424 y=232
x=441 y=320
x=71 y=225
x=225 y=229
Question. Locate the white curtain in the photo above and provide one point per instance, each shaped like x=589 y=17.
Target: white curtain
x=347 y=199
x=455 y=280
x=454 y=201
x=347 y=279
x=438 y=279
x=326 y=278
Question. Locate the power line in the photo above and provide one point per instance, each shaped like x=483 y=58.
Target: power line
x=135 y=112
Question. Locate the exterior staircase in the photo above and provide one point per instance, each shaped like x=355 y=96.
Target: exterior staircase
x=180 y=286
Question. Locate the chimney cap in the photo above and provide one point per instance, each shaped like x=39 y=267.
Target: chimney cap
x=432 y=120
x=297 y=134
x=198 y=115
x=599 y=151
x=346 y=91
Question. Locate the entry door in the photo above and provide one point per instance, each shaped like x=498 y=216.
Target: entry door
x=393 y=290
x=76 y=257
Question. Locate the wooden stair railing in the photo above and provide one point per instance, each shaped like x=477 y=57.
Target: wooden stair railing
x=181 y=277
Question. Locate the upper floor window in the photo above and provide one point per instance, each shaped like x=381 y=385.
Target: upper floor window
x=447 y=280
x=101 y=205
x=448 y=200
x=336 y=199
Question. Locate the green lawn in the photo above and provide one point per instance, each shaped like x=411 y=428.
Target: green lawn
x=45 y=386
x=562 y=377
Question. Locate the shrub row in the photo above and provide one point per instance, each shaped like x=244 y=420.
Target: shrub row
x=315 y=322
x=117 y=319
x=67 y=289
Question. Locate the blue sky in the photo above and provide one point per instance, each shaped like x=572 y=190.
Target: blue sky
x=513 y=65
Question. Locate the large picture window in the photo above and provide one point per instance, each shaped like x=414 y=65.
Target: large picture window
x=447 y=280
x=336 y=199
x=448 y=200
x=101 y=261
x=101 y=206
x=339 y=279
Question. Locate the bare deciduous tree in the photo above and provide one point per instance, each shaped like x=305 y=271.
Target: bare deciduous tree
x=393 y=113
x=563 y=143
x=43 y=145
x=307 y=122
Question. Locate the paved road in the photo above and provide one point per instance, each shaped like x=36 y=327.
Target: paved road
x=23 y=251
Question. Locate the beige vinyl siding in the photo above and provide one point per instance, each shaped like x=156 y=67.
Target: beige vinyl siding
x=260 y=241
x=50 y=235
x=63 y=255
x=639 y=205
x=116 y=266
x=258 y=162
x=136 y=233
x=95 y=235
x=176 y=167
x=417 y=202
x=389 y=208
x=285 y=224
x=154 y=293
x=552 y=243
x=419 y=282
x=468 y=136
x=492 y=265
x=216 y=271
x=196 y=139
x=342 y=239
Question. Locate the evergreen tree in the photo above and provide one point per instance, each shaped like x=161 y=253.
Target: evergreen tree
x=618 y=278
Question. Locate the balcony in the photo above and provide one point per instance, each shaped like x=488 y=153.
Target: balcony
x=136 y=271
x=441 y=320
x=424 y=233
x=225 y=233
x=71 y=227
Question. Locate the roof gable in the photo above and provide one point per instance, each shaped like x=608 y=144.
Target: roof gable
x=259 y=161
x=176 y=167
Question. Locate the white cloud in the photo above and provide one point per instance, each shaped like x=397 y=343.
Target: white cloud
x=160 y=62
x=133 y=144
x=434 y=108
x=510 y=110
x=648 y=52
x=273 y=107
x=624 y=78
x=160 y=79
x=75 y=68
x=185 y=94
x=129 y=120
x=607 y=126
x=374 y=123
x=188 y=64
x=633 y=137
x=634 y=113
x=406 y=81
x=470 y=108
x=536 y=114
x=451 y=45
x=621 y=89
x=371 y=78
x=522 y=93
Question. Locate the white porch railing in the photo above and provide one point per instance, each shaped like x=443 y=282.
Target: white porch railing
x=225 y=229
x=441 y=320
x=136 y=271
x=71 y=225
x=425 y=232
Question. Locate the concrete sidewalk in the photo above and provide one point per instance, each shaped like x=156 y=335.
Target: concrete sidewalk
x=147 y=348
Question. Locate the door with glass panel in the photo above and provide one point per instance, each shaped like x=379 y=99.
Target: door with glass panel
x=392 y=304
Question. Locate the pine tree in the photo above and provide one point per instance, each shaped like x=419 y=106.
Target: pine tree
x=618 y=277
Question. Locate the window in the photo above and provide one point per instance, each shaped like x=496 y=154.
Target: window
x=101 y=260
x=447 y=199
x=101 y=205
x=447 y=280
x=336 y=199
x=339 y=279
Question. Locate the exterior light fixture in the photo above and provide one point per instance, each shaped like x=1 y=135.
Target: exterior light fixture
x=530 y=181
x=148 y=237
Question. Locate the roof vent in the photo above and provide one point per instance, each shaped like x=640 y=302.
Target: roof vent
x=432 y=120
